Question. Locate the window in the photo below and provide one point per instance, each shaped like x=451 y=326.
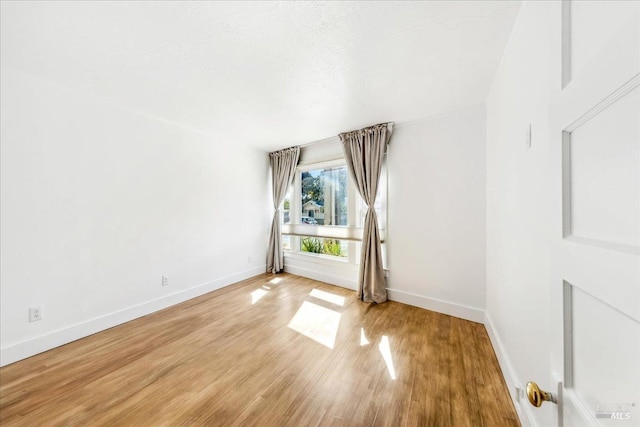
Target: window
x=324 y=196
x=322 y=214
x=331 y=247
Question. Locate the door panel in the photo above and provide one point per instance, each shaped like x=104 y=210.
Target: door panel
x=593 y=25
x=595 y=150
x=604 y=181
x=613 y=346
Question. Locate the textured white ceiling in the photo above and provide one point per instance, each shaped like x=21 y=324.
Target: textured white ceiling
x=267 y=74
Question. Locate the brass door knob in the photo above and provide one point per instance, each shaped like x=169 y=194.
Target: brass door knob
x=537 y=396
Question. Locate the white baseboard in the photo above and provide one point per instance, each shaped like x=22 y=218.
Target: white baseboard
x=437 y=305
x=433 y=304
x=322 y=277
x=22 y=350
x=508 y=372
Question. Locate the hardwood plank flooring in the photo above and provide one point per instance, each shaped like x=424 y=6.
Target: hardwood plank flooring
x=274 y=350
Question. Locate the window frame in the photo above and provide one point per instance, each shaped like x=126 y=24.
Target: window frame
x=295 y=214
x=352 y=233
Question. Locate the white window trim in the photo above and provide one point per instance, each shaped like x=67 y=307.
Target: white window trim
x=340 y=232
x=351 y=233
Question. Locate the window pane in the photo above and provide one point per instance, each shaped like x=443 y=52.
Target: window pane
x=324 y=196
x=331 y=247
x=286 y=243
x=285 y=208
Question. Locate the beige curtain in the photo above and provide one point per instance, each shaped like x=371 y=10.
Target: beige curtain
x=283 y=168
x=364 y=152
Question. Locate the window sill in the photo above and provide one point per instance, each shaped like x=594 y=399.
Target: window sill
x=327 y=232
x=317 y=258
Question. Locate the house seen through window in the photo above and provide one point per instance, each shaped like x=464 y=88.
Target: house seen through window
x=322 y=199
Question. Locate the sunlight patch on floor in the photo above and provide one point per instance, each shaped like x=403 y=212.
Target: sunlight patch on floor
x=328 y=297
x=257 y=294
x=275 y=280
x=316 y=322
x=363 y=339
x=385 y=350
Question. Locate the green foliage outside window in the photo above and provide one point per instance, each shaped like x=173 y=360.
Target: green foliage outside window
x=333 y=247
x=310 y=244
x=322 y=246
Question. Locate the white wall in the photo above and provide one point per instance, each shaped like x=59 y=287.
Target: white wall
x=436 y=216
x=436 y=238
x=98 y=202
x=518 y=201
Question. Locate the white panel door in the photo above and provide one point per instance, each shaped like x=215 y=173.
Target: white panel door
x=595 y=157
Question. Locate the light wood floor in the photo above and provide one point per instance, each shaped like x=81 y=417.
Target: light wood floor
x=220 y=360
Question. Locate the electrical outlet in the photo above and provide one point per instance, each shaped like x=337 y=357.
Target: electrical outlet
x=165 y=281
x=35 y=313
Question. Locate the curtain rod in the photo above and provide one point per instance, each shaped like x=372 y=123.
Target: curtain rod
x=337 y=136
x=318 y=141
x=403 y=124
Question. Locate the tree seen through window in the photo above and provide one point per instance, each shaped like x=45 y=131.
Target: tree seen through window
x=324 y=196
x=324 y=202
